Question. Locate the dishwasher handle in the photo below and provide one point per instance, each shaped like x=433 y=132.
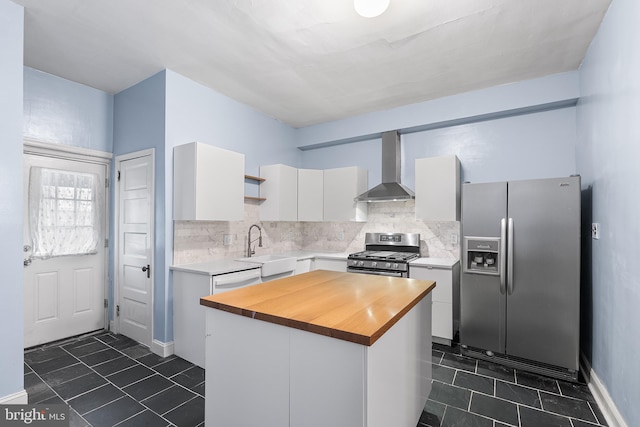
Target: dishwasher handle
x=235 y=280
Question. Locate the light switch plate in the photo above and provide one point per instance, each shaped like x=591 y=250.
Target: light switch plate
x=454 y=238
x=227 y=239
x=595 y=230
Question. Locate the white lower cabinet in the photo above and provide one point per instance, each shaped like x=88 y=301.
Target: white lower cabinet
x=303 y=266
x=260 y=373
x=331 y=264
x=445 y=309
x=246 y=372
x=189 y=315
x=442 y=322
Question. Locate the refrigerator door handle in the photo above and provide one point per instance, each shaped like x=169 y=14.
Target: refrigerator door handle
x=503 y=255
x=510 y=257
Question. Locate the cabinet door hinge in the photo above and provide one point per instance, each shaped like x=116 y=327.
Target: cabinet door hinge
x=117 y=310
x=106 y=243
x=106 y=303
x=106 y=183
x=118 y=175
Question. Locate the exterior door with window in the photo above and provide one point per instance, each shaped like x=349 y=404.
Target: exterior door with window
x=64 y=235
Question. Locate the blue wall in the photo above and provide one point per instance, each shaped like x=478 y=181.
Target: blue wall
x=63 y=112
x=197 y=113
x=168 y=109
x=536 y=145
x=139 y=124
x=11 y=291
x=365 y=154
x=526 y=132
x=608 y=157
x=485 y=104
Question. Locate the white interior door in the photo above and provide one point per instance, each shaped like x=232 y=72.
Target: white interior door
x=64 y=275
x=135 y=241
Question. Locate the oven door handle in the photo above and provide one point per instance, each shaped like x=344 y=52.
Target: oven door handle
x=376 y=273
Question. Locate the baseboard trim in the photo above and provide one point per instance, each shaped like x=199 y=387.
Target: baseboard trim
x=162 y=349
x=19 y=398
x=601 y=395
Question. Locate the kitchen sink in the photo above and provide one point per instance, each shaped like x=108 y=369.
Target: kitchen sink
x=272 y=264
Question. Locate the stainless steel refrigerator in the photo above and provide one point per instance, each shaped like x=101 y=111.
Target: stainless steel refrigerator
x=520 y=284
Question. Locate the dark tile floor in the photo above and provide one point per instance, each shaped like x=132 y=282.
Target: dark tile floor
x=473 y=393
x=111 y=380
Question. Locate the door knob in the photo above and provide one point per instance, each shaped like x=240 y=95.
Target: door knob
x=147 y=268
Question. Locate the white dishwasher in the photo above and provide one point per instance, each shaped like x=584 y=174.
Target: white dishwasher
x=190 y=283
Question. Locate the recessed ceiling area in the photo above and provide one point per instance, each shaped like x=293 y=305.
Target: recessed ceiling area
x=313 y=61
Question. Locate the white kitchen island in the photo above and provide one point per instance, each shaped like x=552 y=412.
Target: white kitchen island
x=319 y=349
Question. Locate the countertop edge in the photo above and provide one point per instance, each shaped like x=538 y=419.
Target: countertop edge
x=215 y=269
x=223 y=266
x=395 y=319
x=443 y=263
x=319 y=329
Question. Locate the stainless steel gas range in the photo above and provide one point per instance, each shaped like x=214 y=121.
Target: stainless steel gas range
x=386 y=254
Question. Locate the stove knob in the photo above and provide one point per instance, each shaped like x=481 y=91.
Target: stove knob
x=360 y=262
x=388 y=265
x=373 y=264
x=395 y=266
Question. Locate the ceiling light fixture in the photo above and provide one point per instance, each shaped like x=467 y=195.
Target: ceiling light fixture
x=370 y=8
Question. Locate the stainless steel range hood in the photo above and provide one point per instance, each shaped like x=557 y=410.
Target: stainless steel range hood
x=391 y=189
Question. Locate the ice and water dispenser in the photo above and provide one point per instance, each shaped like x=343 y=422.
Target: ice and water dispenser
x=481 y=255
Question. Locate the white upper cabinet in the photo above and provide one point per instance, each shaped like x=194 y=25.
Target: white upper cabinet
x=437 y=187
x=310 y=194
x=280 y=189
x=341 y=186
x=208 y=183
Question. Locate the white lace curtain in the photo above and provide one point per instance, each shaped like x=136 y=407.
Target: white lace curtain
x=64 y=212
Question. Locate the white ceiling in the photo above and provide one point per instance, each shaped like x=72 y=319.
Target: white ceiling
x=312 y=61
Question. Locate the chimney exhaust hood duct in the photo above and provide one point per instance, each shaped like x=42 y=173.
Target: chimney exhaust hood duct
x=391 y=189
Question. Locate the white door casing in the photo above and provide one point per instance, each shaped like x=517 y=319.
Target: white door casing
x=133 y=247
x=64 y=295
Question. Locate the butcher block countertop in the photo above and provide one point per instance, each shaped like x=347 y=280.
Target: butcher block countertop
x=354 y=307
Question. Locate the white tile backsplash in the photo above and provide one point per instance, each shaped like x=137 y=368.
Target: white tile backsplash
x=200 y=241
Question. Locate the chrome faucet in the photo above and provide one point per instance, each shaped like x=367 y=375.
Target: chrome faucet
x=249 y=241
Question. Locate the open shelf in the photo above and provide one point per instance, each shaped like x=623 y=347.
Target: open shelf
x=254 y=178
x=258 y=181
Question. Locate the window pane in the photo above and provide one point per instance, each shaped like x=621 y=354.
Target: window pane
x=63 y=213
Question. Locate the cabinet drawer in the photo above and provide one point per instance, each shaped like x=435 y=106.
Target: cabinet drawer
x=442 y=320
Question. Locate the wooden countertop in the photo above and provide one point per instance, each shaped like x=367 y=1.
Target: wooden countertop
x=354 y=307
